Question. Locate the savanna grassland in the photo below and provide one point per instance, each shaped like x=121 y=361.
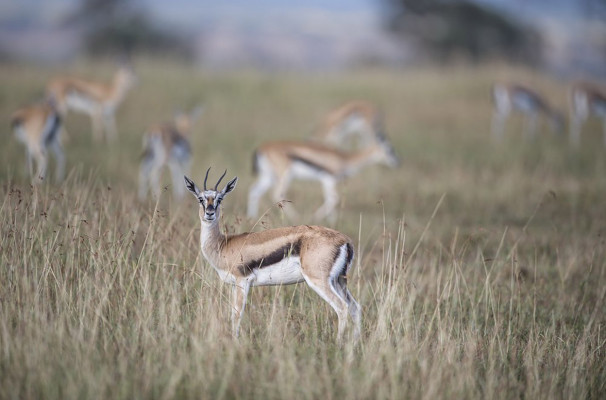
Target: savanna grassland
x=481 y=268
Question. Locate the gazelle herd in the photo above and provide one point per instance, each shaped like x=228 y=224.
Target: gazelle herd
x=585 y=100
x=348 y=139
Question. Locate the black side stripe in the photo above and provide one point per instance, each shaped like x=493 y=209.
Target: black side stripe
x=53 y=131
x=289 y=250
x=308 y=163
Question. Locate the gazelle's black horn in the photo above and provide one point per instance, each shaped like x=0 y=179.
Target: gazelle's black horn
x=205 y=178
x=219 y=181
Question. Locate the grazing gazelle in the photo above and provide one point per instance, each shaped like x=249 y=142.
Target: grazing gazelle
x=38 y=127
x=317 y=255
x=355 y=118
x=508 y=98
x=167 y=144
x=277 y=163
x=585 y=100
x=98 y=100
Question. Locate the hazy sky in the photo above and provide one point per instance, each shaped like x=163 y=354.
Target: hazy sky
x=192 y=13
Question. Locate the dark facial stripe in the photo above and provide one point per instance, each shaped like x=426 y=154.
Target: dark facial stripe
x=308 y=163
x=289 y=250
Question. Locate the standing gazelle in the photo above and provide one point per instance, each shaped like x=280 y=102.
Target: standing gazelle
x=38 y=127
x=355 y=118
x=277 y=163
x=98 y=100
x=317 y=255
x=585 y=100
x=167 y=144
x=508 y=98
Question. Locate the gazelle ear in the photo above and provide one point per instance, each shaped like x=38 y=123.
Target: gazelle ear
x=191 y=186
x=231 y=185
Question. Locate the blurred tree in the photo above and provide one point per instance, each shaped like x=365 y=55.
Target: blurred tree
x=454 y=28
x=123 y=27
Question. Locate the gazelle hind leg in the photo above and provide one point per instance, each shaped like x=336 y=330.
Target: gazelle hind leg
x=324 y=289
x=355 y=311
x=258 y=189
x=498 y=126
x=177 y=170
x=59 y=159
x=144 y=171
x=239 y=297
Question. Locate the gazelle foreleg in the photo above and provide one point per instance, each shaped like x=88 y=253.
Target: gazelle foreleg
x=498 y=125
x=177 y=170
x=239 y=297
x=97 y=122
x=279 y=194
x=109 y=124
x=149 y=174
x=575 y=130
x=41 y=162
x=57 y=150
x=29 y=162
x=530 y=125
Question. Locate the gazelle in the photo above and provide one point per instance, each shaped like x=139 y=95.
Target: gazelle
x=317 y=255
x=39 y=128
x=167 y=144
x=355 y=118
x=585 y=100
x=98 y=100
x=277 y=163
x=510 y=97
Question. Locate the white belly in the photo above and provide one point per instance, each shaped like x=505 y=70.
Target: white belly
x=81 y=104
x=306 y=172
x=285 y=272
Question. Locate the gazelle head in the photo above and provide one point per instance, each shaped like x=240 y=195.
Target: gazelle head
x=125 y=77
x=210 y=199
x=385 y=153
x=184 y=120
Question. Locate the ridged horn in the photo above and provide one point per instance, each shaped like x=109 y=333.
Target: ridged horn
x=219 y=181
x=206 y=177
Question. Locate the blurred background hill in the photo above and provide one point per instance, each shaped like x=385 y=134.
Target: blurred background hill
x=565 y=36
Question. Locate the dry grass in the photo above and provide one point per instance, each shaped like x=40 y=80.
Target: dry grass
x=480 y=268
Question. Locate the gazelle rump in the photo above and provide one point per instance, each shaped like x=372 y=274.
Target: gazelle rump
x=317 y=255
x=277 y=163
x=97 y=100
x=39 y=128
x=586 y=99
x=512 y=97
x=167 y=144
x=354 y=118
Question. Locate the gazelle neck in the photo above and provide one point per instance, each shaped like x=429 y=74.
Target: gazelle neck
x=359 y=159
x=120 y=86
x=211 y=240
